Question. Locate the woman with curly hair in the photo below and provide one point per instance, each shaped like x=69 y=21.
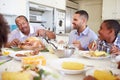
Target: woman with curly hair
x=4 y=30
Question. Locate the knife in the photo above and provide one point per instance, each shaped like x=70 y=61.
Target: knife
x=5 y=61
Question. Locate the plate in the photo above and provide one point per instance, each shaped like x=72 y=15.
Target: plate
x=87 y=55
x=101 y=74
x=13 y=54
x=6 y=51
x=57 y=64
x=3 y=57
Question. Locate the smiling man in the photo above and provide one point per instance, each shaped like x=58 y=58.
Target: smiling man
x=82 y=35
x=25 y=30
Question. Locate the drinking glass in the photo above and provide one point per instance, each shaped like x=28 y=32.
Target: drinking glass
x=113 y=57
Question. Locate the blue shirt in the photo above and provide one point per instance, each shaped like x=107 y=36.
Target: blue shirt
x=85 y=37
x=17 y=34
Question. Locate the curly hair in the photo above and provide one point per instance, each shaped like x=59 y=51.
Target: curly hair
x=4 y=30
x=113 y=24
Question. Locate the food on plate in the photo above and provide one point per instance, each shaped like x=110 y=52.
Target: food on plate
x=89 y=77
x=16 y=76
x=46 y=74
x=117 y=77
x=29 y=53
x=34 y=60
x=72 y=65
x=20 y=55
x=97 y=53
x=5 y=53
x=104 y=75
x=32 y=43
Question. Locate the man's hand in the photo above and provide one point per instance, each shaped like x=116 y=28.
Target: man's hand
x=46 y=33
x=77 y=44
x=41 y=32
x=14 y=42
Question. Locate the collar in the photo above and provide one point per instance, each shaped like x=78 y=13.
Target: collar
x=116 y=40
x=85 y=32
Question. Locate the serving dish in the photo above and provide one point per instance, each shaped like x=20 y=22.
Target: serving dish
x=57 y=64
x=13 y=54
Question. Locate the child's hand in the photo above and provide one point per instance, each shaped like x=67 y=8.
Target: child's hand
x=114 y=49
x=92 y=46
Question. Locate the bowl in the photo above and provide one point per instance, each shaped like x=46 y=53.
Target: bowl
x=61 y=53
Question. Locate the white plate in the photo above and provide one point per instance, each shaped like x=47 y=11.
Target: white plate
x=87 y=55
x=92 y=71
x=4 y=57
x=80 y=52
x=18 y=52
x=57 y=65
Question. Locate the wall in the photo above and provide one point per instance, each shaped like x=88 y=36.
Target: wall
x=94 y=9
x=72 y=4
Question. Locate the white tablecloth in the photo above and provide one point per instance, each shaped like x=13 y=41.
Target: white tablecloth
x=15 y=65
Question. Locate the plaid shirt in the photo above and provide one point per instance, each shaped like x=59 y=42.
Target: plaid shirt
x=104 y=46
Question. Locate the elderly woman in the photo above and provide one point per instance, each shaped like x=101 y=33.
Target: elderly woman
x=4 y=30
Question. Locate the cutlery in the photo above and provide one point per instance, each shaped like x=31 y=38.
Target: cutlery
x=50 y=43
x=5 y=61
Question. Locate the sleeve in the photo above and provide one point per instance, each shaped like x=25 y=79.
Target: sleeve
x=12 y=35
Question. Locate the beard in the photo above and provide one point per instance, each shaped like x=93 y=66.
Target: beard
x=75 y=26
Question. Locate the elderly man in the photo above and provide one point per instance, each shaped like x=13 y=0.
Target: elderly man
x=25 y=30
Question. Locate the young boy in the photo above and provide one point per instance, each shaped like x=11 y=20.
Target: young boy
x=108 y=37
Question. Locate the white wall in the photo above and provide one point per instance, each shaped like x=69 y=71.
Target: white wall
x=94 y=9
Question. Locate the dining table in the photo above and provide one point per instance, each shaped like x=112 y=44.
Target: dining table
x=12 y=64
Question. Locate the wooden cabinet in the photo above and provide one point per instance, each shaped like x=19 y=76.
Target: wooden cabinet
x=111 y=9
x=13 y=7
